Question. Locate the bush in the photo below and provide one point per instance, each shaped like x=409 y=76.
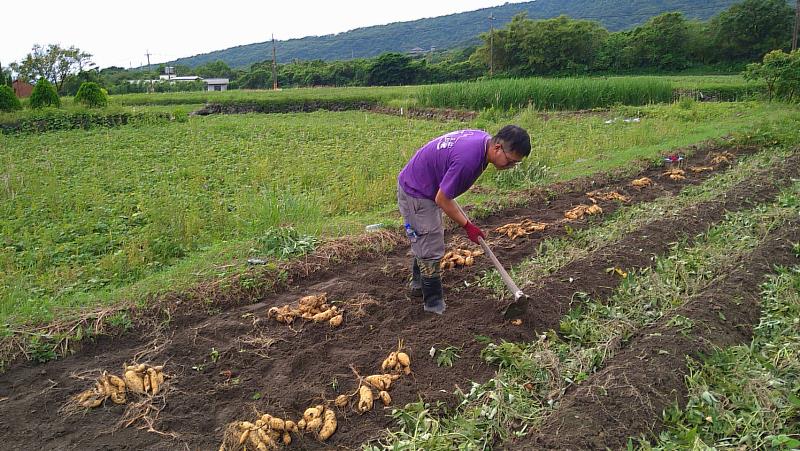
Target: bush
x=91 y=95
x=8 y=101
x=44 y=94
x=780 y=71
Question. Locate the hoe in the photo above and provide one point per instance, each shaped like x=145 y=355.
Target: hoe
x=520 y=304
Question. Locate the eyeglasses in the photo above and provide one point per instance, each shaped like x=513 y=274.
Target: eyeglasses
x=510 y=163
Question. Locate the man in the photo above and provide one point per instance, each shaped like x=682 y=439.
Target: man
x=439 y=172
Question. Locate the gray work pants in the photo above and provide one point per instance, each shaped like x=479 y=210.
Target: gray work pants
x=425 y=217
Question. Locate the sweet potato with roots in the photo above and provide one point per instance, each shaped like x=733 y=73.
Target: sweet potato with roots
x=365 y=399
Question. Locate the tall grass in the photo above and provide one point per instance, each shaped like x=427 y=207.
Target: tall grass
x=547 y=94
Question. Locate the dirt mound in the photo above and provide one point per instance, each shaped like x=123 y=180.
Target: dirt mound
x=226 y=364
x=627 y=396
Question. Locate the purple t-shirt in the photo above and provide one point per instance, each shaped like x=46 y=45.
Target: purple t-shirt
x=451 y=162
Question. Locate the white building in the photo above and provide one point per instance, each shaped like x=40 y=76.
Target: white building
x=216 y=84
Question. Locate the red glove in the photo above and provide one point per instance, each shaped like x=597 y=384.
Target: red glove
x=473 y=232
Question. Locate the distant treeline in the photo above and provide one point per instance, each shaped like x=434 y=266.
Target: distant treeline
x=560 y=46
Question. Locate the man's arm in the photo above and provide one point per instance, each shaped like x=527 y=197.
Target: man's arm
x=449 y=208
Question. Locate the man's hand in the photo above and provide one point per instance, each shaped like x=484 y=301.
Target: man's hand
x=473 y=232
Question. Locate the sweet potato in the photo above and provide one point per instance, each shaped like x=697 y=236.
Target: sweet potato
x=328 y=425
x=336 y=321
x=134 y=381
x=313 y=412
x=403 y=359
x=386 y=398
x=365 y=399
x=277 y=424
x=341 y=401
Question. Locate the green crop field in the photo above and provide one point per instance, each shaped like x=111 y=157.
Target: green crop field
x=89 y=217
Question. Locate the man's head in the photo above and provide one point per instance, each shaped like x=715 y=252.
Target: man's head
x=508 y=147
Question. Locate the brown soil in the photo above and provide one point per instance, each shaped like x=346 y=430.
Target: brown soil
x=292 y=369
x=626 y=398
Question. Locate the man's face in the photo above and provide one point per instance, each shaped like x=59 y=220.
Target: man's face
x=507 y=160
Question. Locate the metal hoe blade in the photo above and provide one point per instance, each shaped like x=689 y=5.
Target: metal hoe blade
x=520 y=304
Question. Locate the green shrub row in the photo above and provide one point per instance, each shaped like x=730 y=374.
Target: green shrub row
x=45 y=120
x=285 y=106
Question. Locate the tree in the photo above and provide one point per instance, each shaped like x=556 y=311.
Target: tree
x=506 y=50
x=91 y=95
x=526 y=47
x=562 y=45
x=257 y=79
x=74 y=82
x=748 y=30
x=53 y=63
x=217 y=69
x=5 y=76
x=661 y=42
x=780 y=71
x=8 y=101
x=392 y=69
x=44 y=94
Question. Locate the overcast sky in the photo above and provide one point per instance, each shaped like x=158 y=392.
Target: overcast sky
x=120 y=33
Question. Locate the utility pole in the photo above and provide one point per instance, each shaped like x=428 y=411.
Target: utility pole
x=491 y=44
x=796 y=25
x=275 y=68
x=147 y=54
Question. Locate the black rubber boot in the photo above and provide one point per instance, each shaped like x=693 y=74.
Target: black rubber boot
x=415 y=286
x=432 y=294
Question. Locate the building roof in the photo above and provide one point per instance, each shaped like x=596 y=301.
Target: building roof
x=217 y=81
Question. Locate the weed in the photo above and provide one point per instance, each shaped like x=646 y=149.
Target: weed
x=120 y=320
x=447 y=356
x=41 y=350
x=285 y=242
x=682 y=323
x=214 y=354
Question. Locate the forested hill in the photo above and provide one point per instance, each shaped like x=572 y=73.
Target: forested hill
x=455 y=30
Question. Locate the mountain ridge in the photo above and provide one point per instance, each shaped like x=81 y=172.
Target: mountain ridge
x=451 y=31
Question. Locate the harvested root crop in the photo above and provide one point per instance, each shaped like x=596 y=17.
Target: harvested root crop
x=144 y=379
x=722 y=157
x=311 y=308
x=341 y=401
x=381 y=381
x=594 y=196
x=328 y=425
x=642 y=182
x=107 y=386
x=583 y=210
x=517 y=229
x=699 y=169
x=398 y=362
x=675 y=174
x=386 y=398
x=365 y=399
x=267 y=432
x=459 y=257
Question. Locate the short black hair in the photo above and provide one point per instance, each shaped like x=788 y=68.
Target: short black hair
x=516 y=137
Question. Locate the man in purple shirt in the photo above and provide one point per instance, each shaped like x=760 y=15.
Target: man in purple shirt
x=439 y=172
